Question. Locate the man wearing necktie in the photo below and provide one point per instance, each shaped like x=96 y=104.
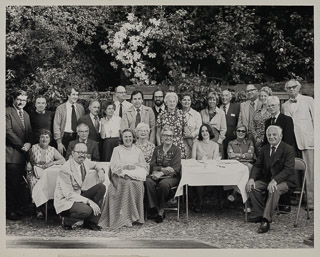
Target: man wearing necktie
x=18 y=143
x=65 y=120
x=158 y=100
x=301 y=109
x=71 y=201
x=121 y=103
x=138 y=113
x=272 y=173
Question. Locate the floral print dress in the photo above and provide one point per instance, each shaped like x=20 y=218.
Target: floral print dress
x=147 y=150
x=177 y=121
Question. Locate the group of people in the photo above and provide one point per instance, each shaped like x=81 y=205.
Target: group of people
x=145 y=146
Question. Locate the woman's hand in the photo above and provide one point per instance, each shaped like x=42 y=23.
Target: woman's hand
x=156 y=175
x=129 y=167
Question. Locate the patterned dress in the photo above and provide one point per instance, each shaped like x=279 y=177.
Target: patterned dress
x=147 y=150
x=123 y=204
x=258 y=129
x=177 y=121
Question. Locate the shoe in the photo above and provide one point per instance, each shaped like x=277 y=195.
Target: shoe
x=14 y=216
x=40 y=215
x=67 y=227
x=231 y=198
x=248 y=210
x=159 y=218
x=285 y=209
x=91 y=226
x=255 y=219
x=196 y=209
x=264 y=227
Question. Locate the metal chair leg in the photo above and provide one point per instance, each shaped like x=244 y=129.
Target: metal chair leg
x=46 y=212
x=303 y=190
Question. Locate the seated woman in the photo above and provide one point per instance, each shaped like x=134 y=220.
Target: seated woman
x=142 y=132
x=165 y=169
x=42 y=156
x=204 y=149
x=123 y=204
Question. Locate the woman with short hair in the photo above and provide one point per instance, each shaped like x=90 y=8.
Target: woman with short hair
x=142 y=132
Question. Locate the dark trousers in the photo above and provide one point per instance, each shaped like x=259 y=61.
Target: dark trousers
x=67 y=137
x=158 y=191
x=81 y=211
x=14 y=187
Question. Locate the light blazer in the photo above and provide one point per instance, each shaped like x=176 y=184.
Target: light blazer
x=60 y=118
x=93 y=149
x=147 y=116
x=69 y=183
x=16 y=136
x=93 y=134
x=303 y=120
x=281 y=167
x=244 y=112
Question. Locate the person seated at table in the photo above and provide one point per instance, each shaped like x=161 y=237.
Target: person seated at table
x=204 y=149
x=142 y=132
x=93 y=147
x=71 y=201
x=273 y=172
x=123 y=204
x=165 y=167
x=42 y=155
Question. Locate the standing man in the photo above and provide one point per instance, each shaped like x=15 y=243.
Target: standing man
x=248 y=108
x=65 y=120
x=121 y=103
x=232 y=111
x=158 y=99
x=71 y=201
x=41 y=119
x=138 y=113
x=273 y=172
x=92 y=120
x=18 y=143
x=300 y=109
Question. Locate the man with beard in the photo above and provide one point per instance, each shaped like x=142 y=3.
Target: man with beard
x=158 y=97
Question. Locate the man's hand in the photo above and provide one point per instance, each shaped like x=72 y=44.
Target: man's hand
x=156 y=175
x=168 y=169
x=94 y=207
x=250 y=184
x=272 y=186
x=101 y=176
x=61 y=148
x=26 y=147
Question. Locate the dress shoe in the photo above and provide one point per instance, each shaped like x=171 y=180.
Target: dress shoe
x=67 y=227
x=255 y=219
x=285 y=209
x=264 y=227
x=14 y=216
x=91 y=226
x=159 y=218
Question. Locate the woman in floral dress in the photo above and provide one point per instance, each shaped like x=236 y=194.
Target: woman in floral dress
x=175 y=119
x=142 y=132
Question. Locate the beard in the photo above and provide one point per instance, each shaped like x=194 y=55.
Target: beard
x=158 y=103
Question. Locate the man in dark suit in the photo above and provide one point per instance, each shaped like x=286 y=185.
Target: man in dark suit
x=232 y=111
x=158 y=100
x=18 y=143
x=272 y=172
x=93 y=148
x=92 y=120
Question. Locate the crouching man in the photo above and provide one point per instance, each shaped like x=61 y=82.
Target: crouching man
x=273 y=172
x=70 y=200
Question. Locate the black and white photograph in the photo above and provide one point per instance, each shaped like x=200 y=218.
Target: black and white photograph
x=159 y=128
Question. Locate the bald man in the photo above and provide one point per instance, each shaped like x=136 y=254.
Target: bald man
x=121 y=103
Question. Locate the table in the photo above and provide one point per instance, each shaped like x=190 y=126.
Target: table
x=213 y=173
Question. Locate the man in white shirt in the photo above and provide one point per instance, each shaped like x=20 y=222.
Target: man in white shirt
x=121 y=103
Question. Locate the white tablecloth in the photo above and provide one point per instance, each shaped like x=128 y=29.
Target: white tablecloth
x=44 y=189
x=214 y=173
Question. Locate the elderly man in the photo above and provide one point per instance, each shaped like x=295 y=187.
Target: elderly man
x=121 y=103
x=158 y=100
x=18 y=143
x=70 y=200
x=232 y=111
x=92 y=120
x=300 y=109
x=65 y=120
x=248 y=107
x=138 y=113
x=273 y=172
x=93 y=148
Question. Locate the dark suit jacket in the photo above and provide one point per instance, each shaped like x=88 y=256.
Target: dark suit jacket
x=16 y=136
x=93 y=134
x=286 y=123
x=232 y=117
x=281 y=168
x=93 y=149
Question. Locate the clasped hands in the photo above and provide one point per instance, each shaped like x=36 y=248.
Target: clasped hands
x=159 y=173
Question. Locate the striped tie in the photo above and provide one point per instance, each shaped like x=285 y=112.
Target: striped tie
x=21 y=117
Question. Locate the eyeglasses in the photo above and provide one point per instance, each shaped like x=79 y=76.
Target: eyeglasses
x=122 y=92
x=169 y=136
x=81 y=152
x=158 y=97
x=241 y=131
x=271 y=105
x=83 y=131
x=292 y=87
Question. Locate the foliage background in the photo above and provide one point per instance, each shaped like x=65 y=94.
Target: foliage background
x=197 y=48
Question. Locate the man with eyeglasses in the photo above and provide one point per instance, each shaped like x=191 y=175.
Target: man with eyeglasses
x=93 y=147
x=18 y=143
x=248 y=108
x=300 y=109
x=158 y=100
x=71 y=200
x=121 y=103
